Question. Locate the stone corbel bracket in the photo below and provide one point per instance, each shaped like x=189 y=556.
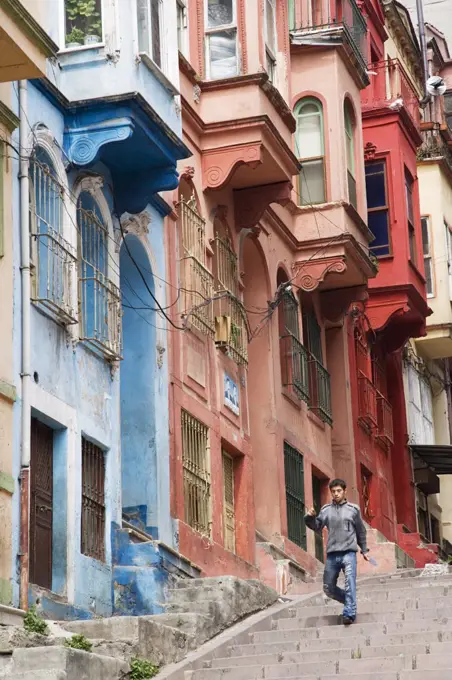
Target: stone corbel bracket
x=218 y=165
x=250 y=204
x=84 y=143
x=308 y=275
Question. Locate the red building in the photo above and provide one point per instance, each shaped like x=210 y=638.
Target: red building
x=396 y=308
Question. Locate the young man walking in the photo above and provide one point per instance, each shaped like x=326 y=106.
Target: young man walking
x=346 y=533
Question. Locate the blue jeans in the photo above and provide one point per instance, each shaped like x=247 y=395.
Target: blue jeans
x=335 y=563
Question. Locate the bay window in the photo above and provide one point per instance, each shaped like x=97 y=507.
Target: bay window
x=378 y=208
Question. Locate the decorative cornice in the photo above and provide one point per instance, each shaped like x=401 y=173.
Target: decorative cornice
x=30 y=27
x=370 y=150
x=309 y=274
x=8 y=118
x=219 y=164
x=251 y=203
x=84 y=143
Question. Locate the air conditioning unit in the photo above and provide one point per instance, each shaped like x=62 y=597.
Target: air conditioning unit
x=223 y=325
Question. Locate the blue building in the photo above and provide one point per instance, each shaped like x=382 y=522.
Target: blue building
x=100 y=137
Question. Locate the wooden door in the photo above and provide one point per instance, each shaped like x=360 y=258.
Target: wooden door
x=41 y=504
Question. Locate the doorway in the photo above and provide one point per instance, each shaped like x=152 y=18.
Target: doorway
x=41 y=504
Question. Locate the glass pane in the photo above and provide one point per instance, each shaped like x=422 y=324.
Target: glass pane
x=83 y=22
x=270 y=24
x=350 y=154
x=409 y=197
x=155 y=20
x=181 y=26
x=312 y=182
x=379 y=226
x=425 y=235
x=143 y=20
x=412 y=239
x=219 y=13
x=428 y=275
x=309 y=136
x=375 y=186
x=223 y=55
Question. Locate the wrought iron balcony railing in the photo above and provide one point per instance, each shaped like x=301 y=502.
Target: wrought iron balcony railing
x=391 y=88
x=295 y=372
x=231 y=328
x=100 y=313
x=384 y=432
x=333 y=22
x=434 y=147
x=197 y=295
x=54 y=271
x=319 y=390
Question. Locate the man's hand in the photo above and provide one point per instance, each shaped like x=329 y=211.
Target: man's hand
x=311 y=512
x=366 y=556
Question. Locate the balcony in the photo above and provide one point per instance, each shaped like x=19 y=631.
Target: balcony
x=434 y=147
x=384 y=433
x=319 y=390
x=391 y=89
x=294 y=357
x=367 y=394
x=335 y=23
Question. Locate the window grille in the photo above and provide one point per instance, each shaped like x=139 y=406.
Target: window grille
x=93 y=501
x=366 y=481
x=100 y=299
x=231 y=327
x=231 y=324
x=228 y=502
x=294 y=357
x=197 y=281
x=196 y=464
x=294 y=477
x=384 y=432
x=319 y=378
x=53 y=258
x=367 y=397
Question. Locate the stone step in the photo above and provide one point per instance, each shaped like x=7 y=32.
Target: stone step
x=370 y=607
x=316 y=668
x=428 y=662
x=74 y=663
x=297 y=646
x=9 y=616
x=270 y=659
x=36 y=675
x=335 y=619
x=432 y=675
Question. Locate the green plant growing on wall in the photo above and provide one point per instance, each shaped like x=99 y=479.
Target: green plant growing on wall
x=33 y=623
x=140 y=669
x=79 y=642
x=84 y=16
x=235 y=334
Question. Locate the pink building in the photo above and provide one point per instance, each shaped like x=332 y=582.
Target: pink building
x=269 y=244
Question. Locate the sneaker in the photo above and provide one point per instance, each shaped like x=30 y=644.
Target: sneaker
x=347 y=621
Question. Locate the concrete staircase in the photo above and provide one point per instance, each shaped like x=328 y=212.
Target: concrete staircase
x=403 y=632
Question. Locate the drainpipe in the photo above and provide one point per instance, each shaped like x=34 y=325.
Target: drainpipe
x=423 y=41
x=25 y=359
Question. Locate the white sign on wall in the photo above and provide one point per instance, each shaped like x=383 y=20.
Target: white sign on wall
x=231 y=394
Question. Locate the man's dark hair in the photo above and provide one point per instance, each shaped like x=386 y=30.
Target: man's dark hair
x=337 y=482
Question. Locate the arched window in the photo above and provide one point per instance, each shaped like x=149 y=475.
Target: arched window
x=349 y=123
x=52 y=257
x=100 y=299
x=293 y=356
x=310 y=149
